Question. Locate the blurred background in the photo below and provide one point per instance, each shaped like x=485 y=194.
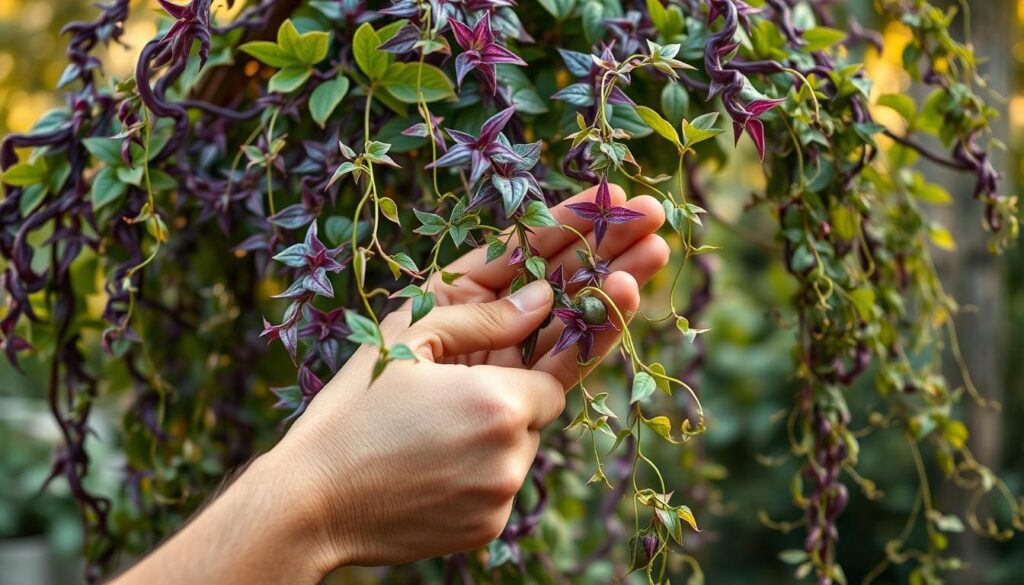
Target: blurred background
x=746 y=379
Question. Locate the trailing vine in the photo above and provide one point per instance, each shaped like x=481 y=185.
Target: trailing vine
x=367 y=169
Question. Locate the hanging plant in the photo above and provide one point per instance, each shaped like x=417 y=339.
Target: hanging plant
x=294 y=173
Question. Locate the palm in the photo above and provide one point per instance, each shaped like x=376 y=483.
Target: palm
x=632 y=250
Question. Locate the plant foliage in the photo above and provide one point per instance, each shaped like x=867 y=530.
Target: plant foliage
x=333 y=155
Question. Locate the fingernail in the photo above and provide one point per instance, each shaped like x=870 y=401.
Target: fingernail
x=531 y=297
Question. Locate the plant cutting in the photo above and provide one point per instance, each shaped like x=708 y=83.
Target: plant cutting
x=296 y=171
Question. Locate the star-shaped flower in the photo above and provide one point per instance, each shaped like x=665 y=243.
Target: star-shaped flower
x=602 y=213
x=578 y=330
x=480 y=52
x=326 y=330
x=481 y=151
x=421 y=130
x=316 y=260
x=592 y=270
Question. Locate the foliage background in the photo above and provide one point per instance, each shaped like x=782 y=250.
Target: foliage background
x=746 y=380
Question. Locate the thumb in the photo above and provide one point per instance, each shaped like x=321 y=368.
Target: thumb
x=460 y=329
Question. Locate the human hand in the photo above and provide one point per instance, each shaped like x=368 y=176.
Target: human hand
x=427 y=459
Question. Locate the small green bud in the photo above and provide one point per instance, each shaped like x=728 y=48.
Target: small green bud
x=594 y=310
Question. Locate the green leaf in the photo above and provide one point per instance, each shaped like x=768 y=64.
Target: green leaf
x=132 y=176
x=929 y=192
x=389 y=209
x=822 y=37
x=106 y=188
x=660 y=425
x=289 y=41
x=495 y=249
x=326 y=97
x=450 y=278
x=404 y=261
x=536 y=266
x=372 y=62
x=422 y=301
x=598 y=404
x=26 y=173
x=433 y=224
x=289 y=78
x=643 y=386
x=401 y=351
x=107 y=150
x=660 y=125
x=403 y=80
x=700 y=129
x=686 y=515
x=537 y=215
x=674 y=102
x=942 y=238
x=364 y=331
x=422 y=305
x=903 y=105
x=269 y=53
x=793 y=556
x=863 y=300
x=560 y=9
x=338 y=229
x=313 y=47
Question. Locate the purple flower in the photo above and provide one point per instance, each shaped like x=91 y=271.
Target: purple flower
x=511 y=183
x=518 y=256
x=631 y=31
x=584 y=67
x=481 y=151
x=326 y=330
x=480 y=52
x=578 y=330
x=316 y=260
x=602 y=213
x=592 y=272
x=298 y=397
x=421 y=130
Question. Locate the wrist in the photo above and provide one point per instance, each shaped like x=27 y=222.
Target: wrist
x=315 y=520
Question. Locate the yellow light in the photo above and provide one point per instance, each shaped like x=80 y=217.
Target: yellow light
x=9 y=9
x=1017 y=112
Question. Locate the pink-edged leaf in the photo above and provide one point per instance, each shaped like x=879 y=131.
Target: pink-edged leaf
x=463 y=34
x=493 y=126
x=568 y=337
x=586 y=210
x=482 y=34
x=758 y=107
x=621 y=215
x=755 y=128
x=493 y=53
x=175 y=10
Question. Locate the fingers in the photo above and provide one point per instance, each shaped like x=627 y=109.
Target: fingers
x=643 y=260
x=460 y=329
x=618 y=239
x=537 y=395
x=622 y=288
x=497 y=274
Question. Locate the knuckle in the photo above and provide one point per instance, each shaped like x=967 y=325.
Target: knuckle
x=489 y=317
x=488 y=528
x=506 y=483
x=504 y=417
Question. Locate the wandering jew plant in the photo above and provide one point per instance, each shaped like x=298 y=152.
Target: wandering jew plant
x=294 y=172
